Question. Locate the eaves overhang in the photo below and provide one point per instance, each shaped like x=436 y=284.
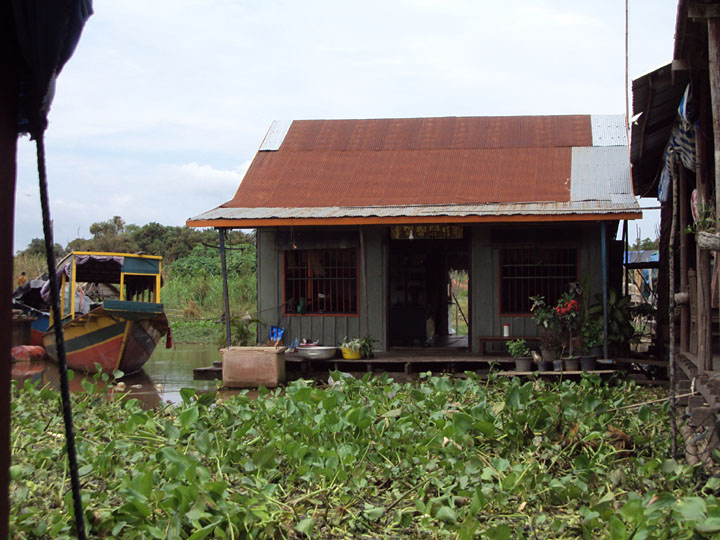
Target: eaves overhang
x=374 y=215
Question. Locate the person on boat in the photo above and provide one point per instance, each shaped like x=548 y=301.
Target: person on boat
x=21 y=279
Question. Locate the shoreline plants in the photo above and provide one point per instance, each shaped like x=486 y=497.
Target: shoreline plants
x=443 y=457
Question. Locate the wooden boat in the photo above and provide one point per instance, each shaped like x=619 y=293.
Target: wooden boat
x=27 y=299
x=116 y=318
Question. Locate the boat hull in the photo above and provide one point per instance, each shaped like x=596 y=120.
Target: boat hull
x=106 y=340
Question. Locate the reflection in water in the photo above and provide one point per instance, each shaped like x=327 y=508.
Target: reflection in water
x=167 y=371
x=172 y=369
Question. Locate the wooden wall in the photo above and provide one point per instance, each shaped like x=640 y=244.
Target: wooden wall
x=484 y=278
x=484 y=308
x=330 y=330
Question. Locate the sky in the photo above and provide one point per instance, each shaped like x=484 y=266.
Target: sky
x=164 y=104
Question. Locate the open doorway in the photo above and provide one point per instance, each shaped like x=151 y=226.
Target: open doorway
x=428 y=289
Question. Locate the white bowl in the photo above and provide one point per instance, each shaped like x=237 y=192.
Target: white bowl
x=317 y=352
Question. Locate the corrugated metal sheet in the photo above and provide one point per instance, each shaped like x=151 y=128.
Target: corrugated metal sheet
x=275 y=135
x=440 y=133
x=656 y=96
x=435 y=167
x=608 y=130
x=459 y=210
x=600 y=172
x=333 y=178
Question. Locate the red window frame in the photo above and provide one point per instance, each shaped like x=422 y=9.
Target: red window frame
x=326 y=280
x=526 y=272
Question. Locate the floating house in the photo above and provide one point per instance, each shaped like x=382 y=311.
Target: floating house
x=360 y=222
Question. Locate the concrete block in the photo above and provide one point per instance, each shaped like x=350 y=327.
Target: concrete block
x=250 y=367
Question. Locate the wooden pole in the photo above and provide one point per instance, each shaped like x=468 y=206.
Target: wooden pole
x=226 y=298
x=626 y=254
x=682 y=196
x=8 y=152
x=704 y=305
x=714 y=76
x=363 y=277
x=603 y=249
x=671 y=317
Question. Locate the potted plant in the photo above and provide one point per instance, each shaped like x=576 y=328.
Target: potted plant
x=356 y=348
x=547 y=320
x=519 y=350
x=351 y=348
x=591 y=333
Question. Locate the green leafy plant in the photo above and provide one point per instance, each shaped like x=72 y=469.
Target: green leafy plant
x=591 y=332
x=363 y=345
x=243 y=332
x=518 y=348
x=443 y=457
x=558 y=322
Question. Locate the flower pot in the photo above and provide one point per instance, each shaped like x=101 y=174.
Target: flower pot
x=557 y=365
x=571 y=364
x=523 y=364
x=350 y=354
x=596 y=351
x=544 y=365
x=588 y=363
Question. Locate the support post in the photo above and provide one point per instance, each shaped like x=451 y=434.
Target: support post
x=8 y=151
x=714 y=75
x=363 y=277
x=226 y=299
x=626 y=255
x=603 y=248
x=671 y=318
x=704 y=277
x=682 y=196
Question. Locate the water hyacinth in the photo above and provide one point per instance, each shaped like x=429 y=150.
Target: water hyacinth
x=441 y=458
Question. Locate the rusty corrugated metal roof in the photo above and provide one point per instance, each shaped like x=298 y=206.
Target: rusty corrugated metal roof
x=428 y=166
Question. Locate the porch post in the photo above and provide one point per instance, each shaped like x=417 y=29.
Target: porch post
x=682 y=196
x=226 y=299
x=603 y=247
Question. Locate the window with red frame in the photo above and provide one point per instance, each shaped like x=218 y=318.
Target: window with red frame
x=534 y=271
x=320 y=281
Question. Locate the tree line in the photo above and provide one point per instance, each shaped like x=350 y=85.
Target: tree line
x=172 y=243
x=114 y=235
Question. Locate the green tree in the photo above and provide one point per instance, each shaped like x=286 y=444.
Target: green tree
x=645 y=244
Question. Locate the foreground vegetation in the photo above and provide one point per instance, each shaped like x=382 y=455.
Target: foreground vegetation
x=442 y=458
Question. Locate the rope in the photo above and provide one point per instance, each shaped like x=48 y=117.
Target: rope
x=59 y=339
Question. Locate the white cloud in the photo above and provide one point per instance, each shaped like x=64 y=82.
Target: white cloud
x=163 y=99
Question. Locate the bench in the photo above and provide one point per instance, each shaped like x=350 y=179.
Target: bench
x=482 y=340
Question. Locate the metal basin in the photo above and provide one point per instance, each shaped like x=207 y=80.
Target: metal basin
x=317 y=352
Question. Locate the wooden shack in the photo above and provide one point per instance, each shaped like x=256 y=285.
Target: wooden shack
x=360 y=222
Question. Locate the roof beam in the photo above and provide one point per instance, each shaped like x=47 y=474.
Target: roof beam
x=703 y=11
x=406 y=220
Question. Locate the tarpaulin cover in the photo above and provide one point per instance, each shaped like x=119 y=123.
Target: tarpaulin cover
x=47 y=33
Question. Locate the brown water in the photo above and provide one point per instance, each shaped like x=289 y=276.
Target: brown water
x=162 y=378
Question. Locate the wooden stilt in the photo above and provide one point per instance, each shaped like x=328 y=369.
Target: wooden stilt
x=683 y=213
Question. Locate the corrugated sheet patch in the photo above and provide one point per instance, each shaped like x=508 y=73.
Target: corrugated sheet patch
x=608 y=130
x=275 y=135
x=600 y=172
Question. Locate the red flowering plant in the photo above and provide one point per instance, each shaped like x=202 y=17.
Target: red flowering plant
x=557 y=322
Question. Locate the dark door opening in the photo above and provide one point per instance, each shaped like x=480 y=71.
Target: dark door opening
x=428 y=278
